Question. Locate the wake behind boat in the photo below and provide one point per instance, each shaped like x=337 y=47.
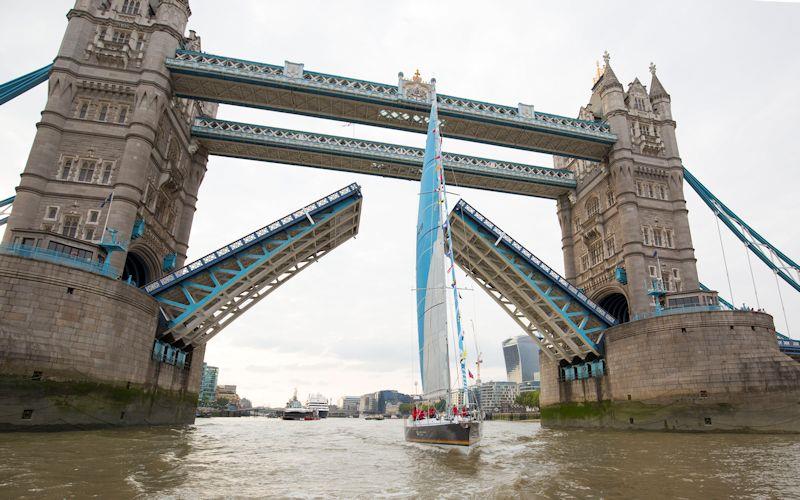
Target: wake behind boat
x=435 y=274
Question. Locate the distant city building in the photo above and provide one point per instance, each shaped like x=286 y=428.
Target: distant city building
x=349 y=404
x=391 y=396
x=529 y=386
x=367 y=403
x=228 y=392
x=522 y=358
x=245 y=404
x=392 y=409
x=497 y=394
x=208 y=384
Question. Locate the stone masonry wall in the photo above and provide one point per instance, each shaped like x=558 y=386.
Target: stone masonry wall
x=90 y=337
x=718 y=370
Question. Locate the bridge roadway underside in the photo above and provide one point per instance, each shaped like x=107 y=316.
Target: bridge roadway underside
x=226 y=80
x=255 y=142
x=202 y=298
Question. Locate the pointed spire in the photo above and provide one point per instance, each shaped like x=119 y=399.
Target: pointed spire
x=609 y=79
x=656 y=89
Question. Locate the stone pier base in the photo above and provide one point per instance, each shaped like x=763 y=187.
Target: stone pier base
x=702 y=371
x=76 y=353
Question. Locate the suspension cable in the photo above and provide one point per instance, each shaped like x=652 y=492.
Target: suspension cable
x=752 y=276
x=725 y=261
x=785 y=321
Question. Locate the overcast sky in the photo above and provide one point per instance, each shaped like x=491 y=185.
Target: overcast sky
x=347 y=324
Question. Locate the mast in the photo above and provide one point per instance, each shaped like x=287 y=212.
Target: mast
x=462 y=352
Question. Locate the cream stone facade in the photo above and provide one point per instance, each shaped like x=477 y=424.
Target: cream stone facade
x=112 y=125
x=625 y=228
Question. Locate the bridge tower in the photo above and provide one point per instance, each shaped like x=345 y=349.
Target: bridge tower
x=625 y=230
x=111 y=125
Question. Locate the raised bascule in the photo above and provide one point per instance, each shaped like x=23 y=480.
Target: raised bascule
x=103 y=323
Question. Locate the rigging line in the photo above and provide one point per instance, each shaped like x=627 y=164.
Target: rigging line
x=725 y=261
x=780 y=296
x=752 y=276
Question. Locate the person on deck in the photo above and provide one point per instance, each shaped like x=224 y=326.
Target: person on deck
x=464 y=412
x=431 y=412
x=455 y=411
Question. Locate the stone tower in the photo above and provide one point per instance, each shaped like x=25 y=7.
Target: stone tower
x=625 y=231
x=111 y=125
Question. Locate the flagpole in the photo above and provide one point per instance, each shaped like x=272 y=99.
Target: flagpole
x=108 y=212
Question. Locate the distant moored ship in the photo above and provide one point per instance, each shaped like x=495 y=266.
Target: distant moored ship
x=319 y=403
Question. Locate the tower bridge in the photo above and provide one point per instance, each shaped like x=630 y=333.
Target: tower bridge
x=629 y=336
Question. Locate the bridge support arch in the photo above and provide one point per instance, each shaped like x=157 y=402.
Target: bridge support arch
x=615 y=302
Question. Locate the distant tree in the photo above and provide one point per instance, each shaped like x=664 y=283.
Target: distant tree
x=440 y=405
x=529 y=399
x=221 y=403
x=405 y=408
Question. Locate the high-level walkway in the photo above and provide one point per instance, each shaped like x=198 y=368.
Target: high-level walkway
x=291 y=88
x=241 y=140
x=565 y=323
x=200 y=299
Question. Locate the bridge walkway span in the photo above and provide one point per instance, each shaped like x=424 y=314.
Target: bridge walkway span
x=290 y=88
x=200 y=299
x=557 y=315
x=256 y=142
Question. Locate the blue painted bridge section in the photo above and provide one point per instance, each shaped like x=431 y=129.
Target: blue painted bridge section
x=5 y=209
x=17 y=86
x=200 y=299
x=406 y=105
x=566 y=324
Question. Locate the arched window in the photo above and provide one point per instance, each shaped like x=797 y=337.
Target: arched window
x=592 y=206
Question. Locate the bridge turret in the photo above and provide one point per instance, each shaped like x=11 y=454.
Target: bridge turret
x=109 y=82
x=626 y=225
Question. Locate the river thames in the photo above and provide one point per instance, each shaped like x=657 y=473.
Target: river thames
x=260 y=457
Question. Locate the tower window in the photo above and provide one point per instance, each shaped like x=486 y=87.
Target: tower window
x=131 y=7
x=596 y=253
x=51 y=213
x=646 y=235
x=585 y=262
x=670 y=243
x=83 y=110
x=88 y=233
x=103 y=112
x=123 y=114
x=106 y=176
x=66 y=170
x=86 y=173
x=93 y=216
x=610 y=247
x=610 y=197
x=120 y=37
x=592 y=206
x=657 y=240
x=70 y=227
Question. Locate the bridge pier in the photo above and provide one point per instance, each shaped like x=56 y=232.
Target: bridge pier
x=76 y=352
x=697 y=372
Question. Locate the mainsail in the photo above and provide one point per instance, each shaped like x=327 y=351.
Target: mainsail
x=431 y=289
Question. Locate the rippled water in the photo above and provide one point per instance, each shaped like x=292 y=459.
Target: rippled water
x=257 y=457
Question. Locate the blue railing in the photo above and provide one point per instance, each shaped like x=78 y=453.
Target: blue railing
x=251 y=239
x=675 y=310
x=60 y=258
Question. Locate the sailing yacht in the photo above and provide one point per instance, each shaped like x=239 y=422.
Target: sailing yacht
x=435 y=277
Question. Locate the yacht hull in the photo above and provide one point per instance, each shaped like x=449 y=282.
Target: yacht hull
x=446 y=433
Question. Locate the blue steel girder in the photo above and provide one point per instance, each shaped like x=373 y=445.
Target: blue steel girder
x=565 y=323
x=24 y=83
x=777 y=261
x=208 y=77
x=241 y=140
x=201 y=299
x=5 y=209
